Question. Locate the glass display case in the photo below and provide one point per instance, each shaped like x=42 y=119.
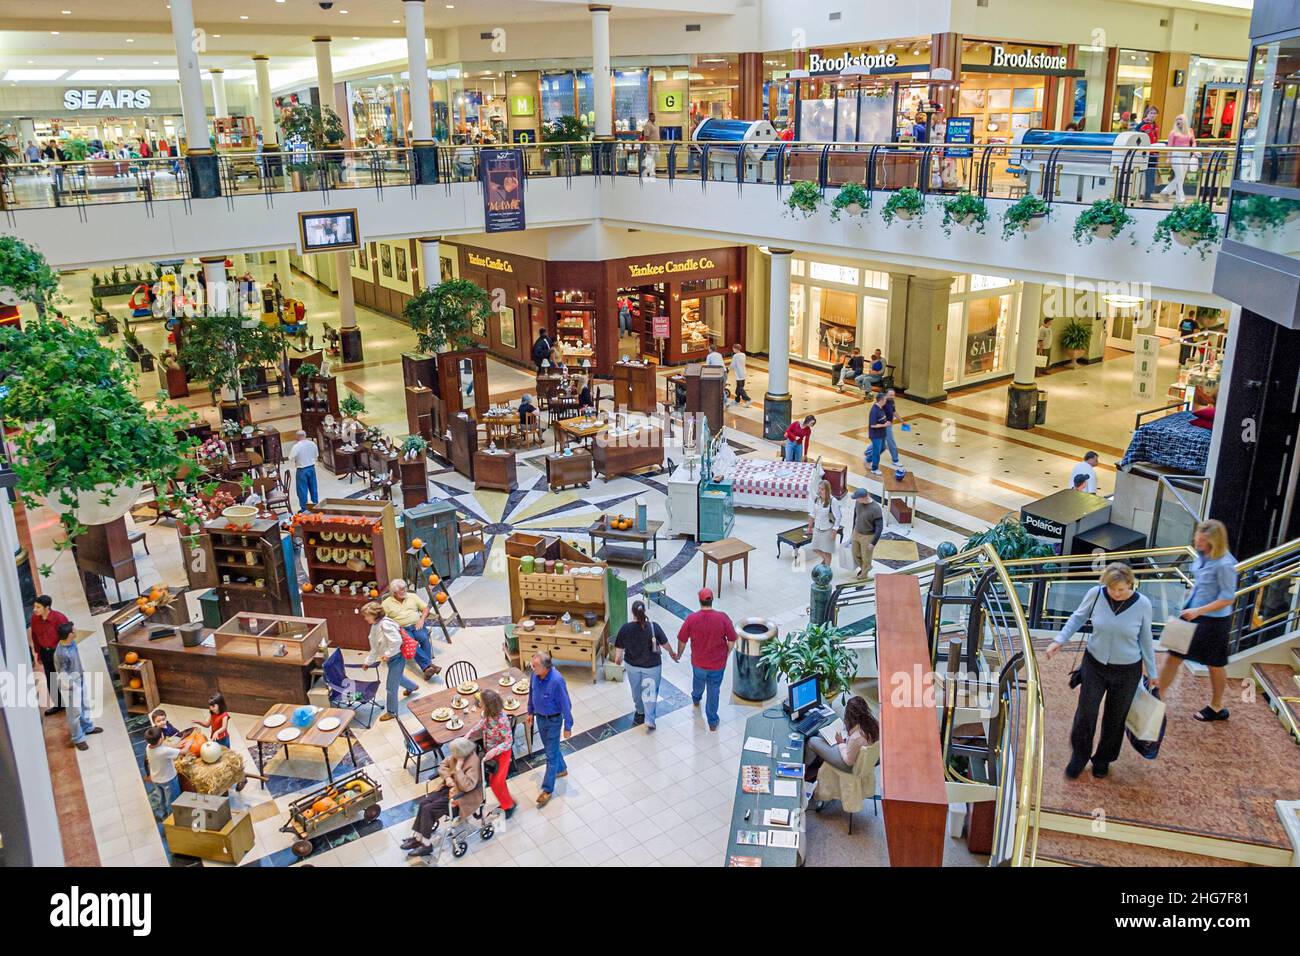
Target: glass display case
x=292 y=639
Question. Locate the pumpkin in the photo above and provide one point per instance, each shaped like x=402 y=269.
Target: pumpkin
x=148 y=609
x=193 y=744
x=433 y=580
x=210 y=752
x=131 y=657
x=425 y=561
x=141 y=602
x=135 y=683
x=441 y=597
x=323 y=805
x=417 y=543
x=374 y=593
x=306 y=587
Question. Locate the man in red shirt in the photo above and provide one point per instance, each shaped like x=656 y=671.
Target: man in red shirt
x=711 y=635
x=797 y=438
x=45 y=637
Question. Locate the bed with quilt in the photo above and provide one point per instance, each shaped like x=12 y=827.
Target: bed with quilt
x=1171 y=442
x=765 y=483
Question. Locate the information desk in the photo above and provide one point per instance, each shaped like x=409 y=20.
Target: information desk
x=771 y=725
x=251 y=681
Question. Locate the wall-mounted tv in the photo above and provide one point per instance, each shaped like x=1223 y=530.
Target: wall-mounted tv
x=333 y=230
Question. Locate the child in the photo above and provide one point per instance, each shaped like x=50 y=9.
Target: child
x=159 y=719
x=218 y=722
x=163 y=775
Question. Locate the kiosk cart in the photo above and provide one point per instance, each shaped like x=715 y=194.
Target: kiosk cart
x=1057 y=518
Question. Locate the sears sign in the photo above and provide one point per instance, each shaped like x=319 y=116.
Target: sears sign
x=107 y=99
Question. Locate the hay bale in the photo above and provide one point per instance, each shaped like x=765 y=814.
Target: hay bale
x=214 y=778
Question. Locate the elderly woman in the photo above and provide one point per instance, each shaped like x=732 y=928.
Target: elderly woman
x=457 y=785
x=386 y=645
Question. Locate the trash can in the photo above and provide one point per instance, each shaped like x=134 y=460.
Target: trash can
x=752 y=681
x=1040 y=410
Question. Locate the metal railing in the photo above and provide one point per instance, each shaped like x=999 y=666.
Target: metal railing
x=1069 y=175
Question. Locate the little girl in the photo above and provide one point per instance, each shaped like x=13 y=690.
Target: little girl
x=218 y=722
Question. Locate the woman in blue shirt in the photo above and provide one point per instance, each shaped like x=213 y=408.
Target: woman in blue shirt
x=1119 y=649
x=1214 y=588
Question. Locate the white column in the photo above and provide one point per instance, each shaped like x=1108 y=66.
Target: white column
x=281 y=267
x=347 y=301
x=214 y=277
x=219 y=107
x=1031 y=315
x=417 y=65
x=324 y=72
x=430 y=262
x=778 y=325
x=26 y=134
x=601 y=80
x=265 y=107
x=193 y=111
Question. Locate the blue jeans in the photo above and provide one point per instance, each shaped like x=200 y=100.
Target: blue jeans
x=703 y=681
x=167 y=792
x=549 y=727
x=423 y=646
x=76 y=698
x=644 y=683
x=394 y=679
x=891 y=444
x=875 y=452
x=305 y=485
x=793 y=450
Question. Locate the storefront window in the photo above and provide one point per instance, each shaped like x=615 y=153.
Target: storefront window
x=830 y=299
x=506 y=327
x=557 y=96
x=1132 y=89
x=1089 y=89
x=380 y=111
x=631 y=99
x=835 y=313
x=1215 y=92
x=586 y=98
x=986 y=335
x=703 y=320
x=980 y=335
x=714 y=83
x=798 y=312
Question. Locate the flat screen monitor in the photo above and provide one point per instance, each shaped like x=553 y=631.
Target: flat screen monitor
x=332 y=230
x=804 y=695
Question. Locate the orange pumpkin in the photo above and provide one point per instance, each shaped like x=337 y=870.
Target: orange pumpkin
x=433 y=580
x=425 y=561
x=193 y=744
x=131 y=657
x=374 y=593
x=148 y=609
x=417 y=543
x=441 y=597
x=306 y=587
x=136 y=683
x=323 y=805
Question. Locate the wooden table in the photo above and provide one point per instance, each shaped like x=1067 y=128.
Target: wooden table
x=796 y=538
x=310 y=736
x=648 y=539
x=902 y=488
x=725 y=552
x=572 y=430
x=563 y=643
x=495 y=469
x=424 y=705
x=502 y=428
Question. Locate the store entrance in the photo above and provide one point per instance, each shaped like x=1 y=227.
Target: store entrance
x=637 y=308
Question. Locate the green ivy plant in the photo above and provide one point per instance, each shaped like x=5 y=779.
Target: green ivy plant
x=1102 y=213
x=308 y=370
x=216 y=347
x=907 y=204
x=1193 y=225
x=1017 y=217
x=804 y=199
x=816 y=649
x=1010 y=540
x=413 y=446
x=1254 y=212
x=448 y=316
x=77 y=423
x=966 y=210
x=853 y=199
x=351 y=406
x=24 y=270
x=565 y=129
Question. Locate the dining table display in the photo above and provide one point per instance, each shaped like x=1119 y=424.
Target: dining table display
x=580 y=430
x=616 y=528
x=453 y=711
x=302 y=725
x=503 y=426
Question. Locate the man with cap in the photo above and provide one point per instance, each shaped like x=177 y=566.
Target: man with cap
x=710 y=634
x=868 y=523
x=304 y=454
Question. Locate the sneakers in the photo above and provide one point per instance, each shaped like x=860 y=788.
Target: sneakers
x=638 y=720
x=511 y=812
x=432 y=671
x=1208 y=715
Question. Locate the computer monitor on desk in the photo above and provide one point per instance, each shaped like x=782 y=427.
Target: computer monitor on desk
x=803 y=695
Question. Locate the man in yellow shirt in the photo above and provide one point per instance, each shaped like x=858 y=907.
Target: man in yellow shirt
x=408 y=612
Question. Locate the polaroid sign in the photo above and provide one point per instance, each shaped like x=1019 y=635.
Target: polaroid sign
x=818 y=64
x=107 y=99
x=1027 y=61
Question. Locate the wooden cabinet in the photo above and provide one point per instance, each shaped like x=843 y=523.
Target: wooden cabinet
x=463 y=445
x=704 y=392
x=634 y=387
x=105 y=550
x=419 y=411
x=624 y=456
x=230 y=844
x=436 y=525
x=415 y=481
x=249 y=569
x=495 y=470
x=266 y=443
x=717 y=510
x=569 y=471
x=319 y=396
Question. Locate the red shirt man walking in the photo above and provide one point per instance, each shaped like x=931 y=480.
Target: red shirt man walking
x=710 y=634
x=44 y=631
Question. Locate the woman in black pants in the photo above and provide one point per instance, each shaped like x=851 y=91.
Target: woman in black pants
x=1118 y=648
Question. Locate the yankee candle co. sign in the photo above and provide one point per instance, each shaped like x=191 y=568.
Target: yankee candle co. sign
x=107 y=99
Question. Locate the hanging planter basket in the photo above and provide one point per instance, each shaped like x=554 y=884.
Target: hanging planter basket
x=90 y=508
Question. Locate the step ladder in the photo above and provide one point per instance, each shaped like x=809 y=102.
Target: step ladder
x=420 y=574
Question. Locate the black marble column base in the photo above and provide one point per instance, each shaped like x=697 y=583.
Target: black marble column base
x=205 y=175
x=776 y=415
x=1022 y=400
x=350 y=345
x=425 y=160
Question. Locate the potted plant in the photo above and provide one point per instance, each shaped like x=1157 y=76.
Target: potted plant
x=1010 y=540
x=448 y=316
x=853 y=199
x=413 y=446
x=804 y=199
x=816 y=649
x=1075 y=339
x=1192 y=225
x=308 y=371
x=1024 y=215
x=964 y=210
x=131 y=345
x=1104 y=219
x=1255 y=212
x=315 y=128
x=571 y=130
x=84 y=444
x=25 y=271
x=351 y=406
x=906 y=204
x=217 y=347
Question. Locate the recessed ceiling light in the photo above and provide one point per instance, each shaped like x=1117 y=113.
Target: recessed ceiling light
x=356 y=38
x=217 y=35
x=130 y=40
x=66 y=13
x=100 y=59
x=54 y=33
x=342 y=11
x=243 y=16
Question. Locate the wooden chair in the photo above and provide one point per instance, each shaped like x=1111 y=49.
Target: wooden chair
x=459 y=673
x=531 y=430
x=471 y=538
x=418 y=746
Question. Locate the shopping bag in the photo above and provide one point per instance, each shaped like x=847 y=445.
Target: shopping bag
x=846 y=557
x=1177 y=635
x=1148 y=749
x=408 y=645
x=1146 y=715
x=1040 y=360
x=613 y=671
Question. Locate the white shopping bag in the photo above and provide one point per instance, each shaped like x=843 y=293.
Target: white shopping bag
x=1177 y=635
x=1145 y=715
x=846 y=557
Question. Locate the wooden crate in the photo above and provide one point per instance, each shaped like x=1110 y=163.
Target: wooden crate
x=144 y=699
x=230 y=844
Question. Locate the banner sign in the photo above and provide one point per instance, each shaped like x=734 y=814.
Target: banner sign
x=959 y=129
x=503 y=189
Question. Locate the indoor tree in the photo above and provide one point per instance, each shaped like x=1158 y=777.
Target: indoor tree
x=84 y=444
x=25 y=276
x=317 y=128
x=448 y=316
x=1010 y=540
x=566 y=129
x=217 y=346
